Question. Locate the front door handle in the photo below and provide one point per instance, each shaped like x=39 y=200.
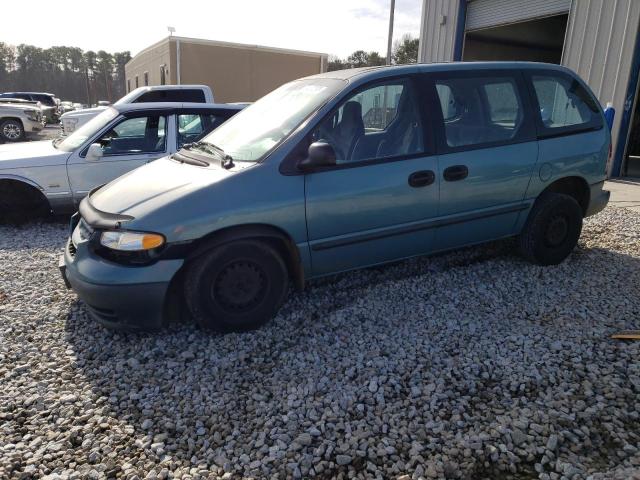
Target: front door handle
x=455 y=173
x=422 y=178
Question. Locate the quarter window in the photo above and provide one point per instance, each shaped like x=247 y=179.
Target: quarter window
x=564 y=102
x=380 y=122
x=480 y=110
x=192 y=126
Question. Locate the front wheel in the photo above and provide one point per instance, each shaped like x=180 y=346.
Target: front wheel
x=552 y=229
x=237 y=286
x=11 y=130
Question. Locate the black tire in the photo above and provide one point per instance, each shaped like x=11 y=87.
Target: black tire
x=12 y=130
x=552 y=229
x=20 y=203
x=237 y=286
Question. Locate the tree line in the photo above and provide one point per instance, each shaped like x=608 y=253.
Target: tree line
x=68 y=72
x=404 y=51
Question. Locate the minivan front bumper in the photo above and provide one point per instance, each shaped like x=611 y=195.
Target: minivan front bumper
x=119 y=296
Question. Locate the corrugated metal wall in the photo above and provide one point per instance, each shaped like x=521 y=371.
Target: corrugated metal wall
x=489 y=13
x=437 y=39
x=599 y=46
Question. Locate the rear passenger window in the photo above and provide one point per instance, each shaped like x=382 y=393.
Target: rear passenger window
x=480 y=110
x=564 y=103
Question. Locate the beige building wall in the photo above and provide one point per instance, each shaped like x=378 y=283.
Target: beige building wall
x=599 y=45
x=235 y=72
x=149 y=60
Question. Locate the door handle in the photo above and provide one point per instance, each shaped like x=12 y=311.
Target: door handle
x=421 y=178
x=455 y=173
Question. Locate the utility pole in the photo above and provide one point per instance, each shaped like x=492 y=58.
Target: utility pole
x=390 y=39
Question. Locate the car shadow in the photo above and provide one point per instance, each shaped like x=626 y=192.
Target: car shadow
x=410 y=320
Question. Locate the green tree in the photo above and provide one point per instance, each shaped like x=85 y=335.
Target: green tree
x=405 y=50
x=67 y=72
x=357 y=59
x=376 y=60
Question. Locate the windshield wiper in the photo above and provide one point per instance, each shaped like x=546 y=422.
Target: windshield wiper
x=56 y=141
x=211 y=149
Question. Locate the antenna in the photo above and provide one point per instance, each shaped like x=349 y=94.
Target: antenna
x=172 y=30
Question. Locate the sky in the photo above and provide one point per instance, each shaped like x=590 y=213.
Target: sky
x=337 y=27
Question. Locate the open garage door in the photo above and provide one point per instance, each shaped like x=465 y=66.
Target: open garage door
x=491 y=13
x=540 y=40
x=527 y=30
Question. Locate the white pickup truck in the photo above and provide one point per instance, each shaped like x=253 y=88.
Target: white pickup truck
x=71 y=121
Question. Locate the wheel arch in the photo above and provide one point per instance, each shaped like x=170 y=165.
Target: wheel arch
x=574 y=186
x=18 y=178
x=10 y=184
x=274 y=236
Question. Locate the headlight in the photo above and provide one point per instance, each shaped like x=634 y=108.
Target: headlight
x=131 y=241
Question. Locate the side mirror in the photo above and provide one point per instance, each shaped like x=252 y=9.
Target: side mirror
x=320 y=154
x=95 y=152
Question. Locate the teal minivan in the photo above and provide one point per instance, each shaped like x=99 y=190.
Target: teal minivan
x=341 y=171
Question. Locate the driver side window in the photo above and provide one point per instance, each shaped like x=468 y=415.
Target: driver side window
x=381 y=121
x=135 y=135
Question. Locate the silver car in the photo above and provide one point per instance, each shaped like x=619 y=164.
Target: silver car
x=40 y=177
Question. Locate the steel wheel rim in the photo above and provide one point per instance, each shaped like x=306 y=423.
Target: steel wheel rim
x=557 y=230
x=240 y=286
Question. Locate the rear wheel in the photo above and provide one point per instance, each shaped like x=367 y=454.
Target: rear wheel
x=237 y=286
x=552 y=229
x=20 y=202
x=11 y=130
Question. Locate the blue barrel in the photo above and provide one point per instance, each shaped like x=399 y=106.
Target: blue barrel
x=609 y=115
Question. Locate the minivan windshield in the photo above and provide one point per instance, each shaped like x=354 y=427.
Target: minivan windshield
x=77 y=138
x=253 y=132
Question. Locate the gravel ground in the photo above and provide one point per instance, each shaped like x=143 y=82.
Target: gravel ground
x=472 y=364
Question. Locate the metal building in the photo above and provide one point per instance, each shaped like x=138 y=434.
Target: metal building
x=598 y=39
x=235 y=72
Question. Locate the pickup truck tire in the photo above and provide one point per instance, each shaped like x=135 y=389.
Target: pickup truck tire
x=552 y=229
x=11 y=130
x=20 y=202
x=237 y=286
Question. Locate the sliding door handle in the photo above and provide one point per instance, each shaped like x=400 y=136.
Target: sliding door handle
x=455 y=173
x=422 y=178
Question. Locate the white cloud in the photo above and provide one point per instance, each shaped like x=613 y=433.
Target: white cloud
x=330 y=26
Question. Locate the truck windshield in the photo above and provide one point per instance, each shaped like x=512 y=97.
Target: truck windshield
x=77 y=138
x=253 y=132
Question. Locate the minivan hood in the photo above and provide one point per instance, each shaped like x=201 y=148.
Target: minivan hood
x=31 y=154
x=155 y=185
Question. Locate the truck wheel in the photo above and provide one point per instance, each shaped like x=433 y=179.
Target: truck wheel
x=236 y=287
x=11 y=130
x=552 y=229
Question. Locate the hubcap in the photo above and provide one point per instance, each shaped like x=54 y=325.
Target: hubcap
x=240 y=286
x=557 y=231
x=12 y=131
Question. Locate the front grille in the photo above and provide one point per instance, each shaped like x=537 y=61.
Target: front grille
x=85 y=230
x=72 y=248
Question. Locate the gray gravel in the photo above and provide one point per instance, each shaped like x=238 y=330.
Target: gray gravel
x=472 y=364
